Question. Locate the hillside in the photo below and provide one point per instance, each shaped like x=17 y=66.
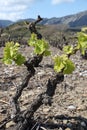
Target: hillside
x=5 y=23
x=19 y=32
x=74 y=20
x=52 y=29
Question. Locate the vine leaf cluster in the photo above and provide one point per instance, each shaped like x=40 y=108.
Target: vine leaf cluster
x=41 y=48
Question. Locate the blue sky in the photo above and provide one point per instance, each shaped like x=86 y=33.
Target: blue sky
x=20 y=9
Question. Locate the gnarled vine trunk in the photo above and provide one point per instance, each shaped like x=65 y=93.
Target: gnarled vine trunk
x=25 y=119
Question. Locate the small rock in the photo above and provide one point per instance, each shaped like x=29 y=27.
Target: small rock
x=84 y=73
x=69 y=125
x=83 y=124
x=41 y=74
x=9 y=124
x=64 y=121
x=67 y=129
x=46 y=110
x=60 y=128
x=73 y=78
x=71 y=108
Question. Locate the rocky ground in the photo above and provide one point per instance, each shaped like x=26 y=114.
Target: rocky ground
x=69 y=107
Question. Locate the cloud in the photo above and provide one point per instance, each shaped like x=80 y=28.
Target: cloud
x=61 y=1
x=18 y=9
x=14 y=9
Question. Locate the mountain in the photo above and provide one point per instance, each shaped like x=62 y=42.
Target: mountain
x=75 y=20
x=5 y=23
x=79 y=19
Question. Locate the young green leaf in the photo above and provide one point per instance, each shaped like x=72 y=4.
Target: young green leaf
x=58 y=64
x=40 y=46
x=11 y=54
x=68 y=49
x=63 y=64
x=33 y=39
x=82 y=42
x=19 y=60
x=69 y=67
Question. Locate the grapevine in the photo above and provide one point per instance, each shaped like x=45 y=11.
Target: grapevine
x=62 y=65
